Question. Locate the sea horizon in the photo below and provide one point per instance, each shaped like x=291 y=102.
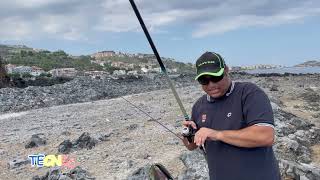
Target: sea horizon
x=293 y=70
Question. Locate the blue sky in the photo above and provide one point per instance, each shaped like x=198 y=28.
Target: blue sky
x=244 y=32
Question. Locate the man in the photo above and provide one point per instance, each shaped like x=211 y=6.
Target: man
x=234 y=123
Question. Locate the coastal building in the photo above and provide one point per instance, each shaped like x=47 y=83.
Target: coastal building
x=132 y=73
x=100 y=62
x=103 y=54
x=157 y=70
x=22 y=70
x=235 y=68
x=64 y=72
x=96 y=74
x=36 y=71
x=119 y=72
x=144 y=70
x=118 y=64
x=9 y=68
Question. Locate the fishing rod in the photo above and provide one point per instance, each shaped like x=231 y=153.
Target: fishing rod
x=187 y=131
x=152 y=118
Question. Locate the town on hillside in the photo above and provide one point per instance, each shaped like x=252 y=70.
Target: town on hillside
x=22 y=61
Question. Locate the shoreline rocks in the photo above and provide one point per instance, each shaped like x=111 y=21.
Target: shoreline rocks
x=81 y=89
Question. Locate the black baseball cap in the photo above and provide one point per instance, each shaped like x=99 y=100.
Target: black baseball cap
x=210 y=63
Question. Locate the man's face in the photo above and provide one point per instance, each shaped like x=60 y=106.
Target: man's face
x=213 y=87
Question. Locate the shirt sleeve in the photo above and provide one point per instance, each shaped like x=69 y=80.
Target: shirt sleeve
x=256 y=106
x=194 y=114
x=195 y=111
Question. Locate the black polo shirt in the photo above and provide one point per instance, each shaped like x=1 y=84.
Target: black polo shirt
x=244 y=104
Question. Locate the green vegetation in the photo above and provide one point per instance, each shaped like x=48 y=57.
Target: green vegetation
x=109 y=68
x=180 y=66
x=25 y=56
x=14 y=75
x=49 y=60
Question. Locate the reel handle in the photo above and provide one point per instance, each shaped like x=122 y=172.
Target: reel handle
x=188 y=132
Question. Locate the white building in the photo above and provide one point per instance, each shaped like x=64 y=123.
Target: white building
x=36 y=71
x=22 y=70
x=119 y=72
x=132 y=73
x=96 y=74
x=64 y=72
x=9 y=68
x=144 y=70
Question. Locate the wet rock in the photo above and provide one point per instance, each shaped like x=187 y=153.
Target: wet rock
x=79 y=173
x=274 y=87
x=104 y=137
x=196 y=165
x=130 y=163
x=84 y=141
x=300 y=171
x=65 y=147
x=16 y=163
x=155 y=171
x=310 y=95
x=132 y=127
x=301 y=124
x=35 y=141
x=74 y=174
x=2 y=152
x=314 y=135
x=66 y=133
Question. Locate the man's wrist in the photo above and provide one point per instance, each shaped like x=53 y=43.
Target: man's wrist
x=219 y=135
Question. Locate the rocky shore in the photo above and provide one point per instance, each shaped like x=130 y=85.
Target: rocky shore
x=83 y=89
x=86 y=119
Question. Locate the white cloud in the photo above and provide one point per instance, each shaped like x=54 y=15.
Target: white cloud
x=76 y=19
x=222 y=25
x=14 y=28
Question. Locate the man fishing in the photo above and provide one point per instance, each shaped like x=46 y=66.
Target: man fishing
x=234 y=122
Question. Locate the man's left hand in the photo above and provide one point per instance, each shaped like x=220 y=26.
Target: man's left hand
x=205 y=133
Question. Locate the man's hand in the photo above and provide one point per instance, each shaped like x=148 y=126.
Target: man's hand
x=191 y=146
x=189 y=123
x=204 y=134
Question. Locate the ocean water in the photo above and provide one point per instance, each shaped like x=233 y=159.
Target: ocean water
x=294 y=70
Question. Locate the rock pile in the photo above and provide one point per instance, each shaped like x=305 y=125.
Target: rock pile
x=74 y=174
x=35 y=141
x=82 y=89
x=84 y=141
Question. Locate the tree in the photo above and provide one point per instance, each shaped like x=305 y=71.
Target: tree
x=4 y=78
x=26 y=75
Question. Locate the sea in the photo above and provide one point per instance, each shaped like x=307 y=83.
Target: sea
x=293 y=70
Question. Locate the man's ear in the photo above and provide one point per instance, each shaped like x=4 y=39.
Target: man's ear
x=226 y=70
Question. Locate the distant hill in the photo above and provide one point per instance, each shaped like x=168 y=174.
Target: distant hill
x=25 y=56
x=47 y=60
x=309 y=64
x=7 y=50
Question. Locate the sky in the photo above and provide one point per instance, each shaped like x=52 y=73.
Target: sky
x=244 y=32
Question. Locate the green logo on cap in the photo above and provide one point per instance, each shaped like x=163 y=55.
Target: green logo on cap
x=207 y=62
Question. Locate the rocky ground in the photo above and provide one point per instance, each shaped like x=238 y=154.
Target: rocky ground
x=111 y=139
x=83 y=89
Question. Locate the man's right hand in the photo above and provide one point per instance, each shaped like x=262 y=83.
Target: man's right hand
x=190 y=146
x=189 y=123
